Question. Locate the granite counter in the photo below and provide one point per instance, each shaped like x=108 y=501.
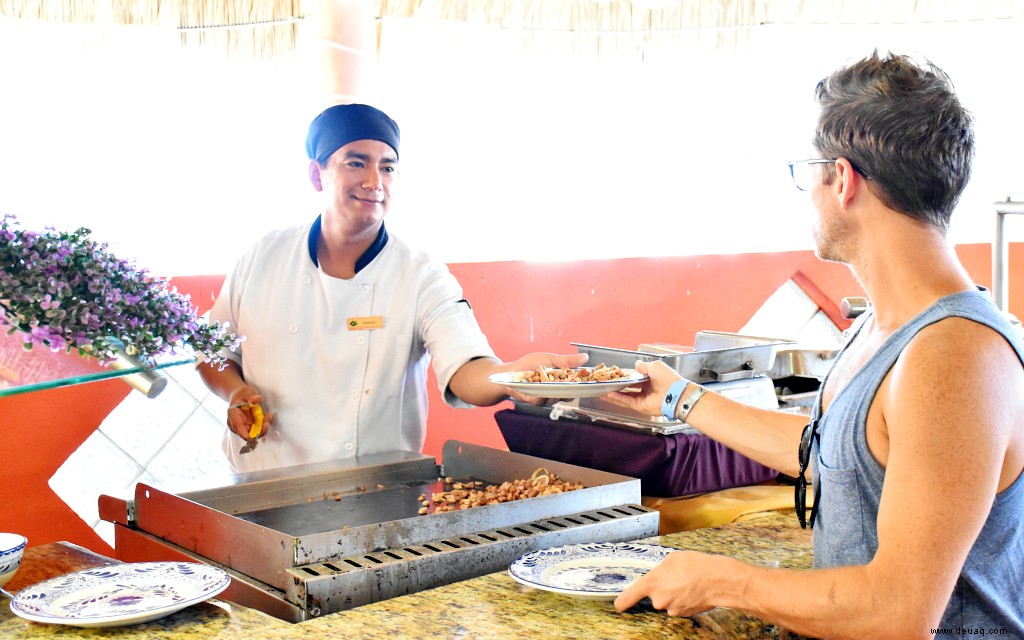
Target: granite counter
x=492 y=606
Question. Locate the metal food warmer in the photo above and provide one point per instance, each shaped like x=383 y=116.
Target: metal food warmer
x=311 y=540
x=734 y=365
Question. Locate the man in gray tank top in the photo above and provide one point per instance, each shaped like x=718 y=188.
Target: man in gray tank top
x=916 y=443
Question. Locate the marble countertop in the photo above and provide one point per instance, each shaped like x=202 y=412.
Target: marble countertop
x=493 y=606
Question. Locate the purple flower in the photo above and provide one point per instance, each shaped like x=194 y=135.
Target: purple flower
x=64 y=290
x=48 y=302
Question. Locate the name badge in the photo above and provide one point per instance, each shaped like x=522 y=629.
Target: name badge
x=368 y=322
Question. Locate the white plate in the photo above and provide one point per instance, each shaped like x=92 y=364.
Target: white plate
x=120 y=594
x=599 y=571
x=567 y=389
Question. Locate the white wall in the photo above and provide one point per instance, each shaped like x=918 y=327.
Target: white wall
x=179 y=160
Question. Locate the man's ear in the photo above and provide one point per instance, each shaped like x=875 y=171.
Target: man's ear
x=314 y=175
x=848 y=182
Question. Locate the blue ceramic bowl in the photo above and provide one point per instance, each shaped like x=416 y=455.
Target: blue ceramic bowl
x=12 y=548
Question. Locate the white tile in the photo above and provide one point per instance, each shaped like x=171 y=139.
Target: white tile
x=216 y=407
x=142 y=426
x=146 y=478
x=193 y=458
x=187 y=376
x=97 y=467
x=105 y=530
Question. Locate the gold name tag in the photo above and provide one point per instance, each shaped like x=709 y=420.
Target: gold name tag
x=369 y=322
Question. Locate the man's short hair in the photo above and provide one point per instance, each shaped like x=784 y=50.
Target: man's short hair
x=901 y=123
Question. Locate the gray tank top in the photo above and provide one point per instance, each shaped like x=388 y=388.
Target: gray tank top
x=989 y=593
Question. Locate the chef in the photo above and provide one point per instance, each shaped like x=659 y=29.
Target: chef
x=340 y=319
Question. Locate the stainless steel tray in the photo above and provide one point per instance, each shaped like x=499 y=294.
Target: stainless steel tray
x=758 y=391
x=716 y=357
x=271 y=522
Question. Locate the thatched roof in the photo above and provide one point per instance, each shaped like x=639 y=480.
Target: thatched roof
x=268 y=28
x=263 y=28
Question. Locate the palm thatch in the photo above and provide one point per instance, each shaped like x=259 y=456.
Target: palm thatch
x=270 y=28
x=261 y=28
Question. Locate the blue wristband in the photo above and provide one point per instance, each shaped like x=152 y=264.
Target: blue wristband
x=675 y=393
x=671 y=401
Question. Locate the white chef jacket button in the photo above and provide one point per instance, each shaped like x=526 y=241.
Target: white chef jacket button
x=361 y=340
x=354 y=393
x=293 y=328
x=366 y=288
x=349 y=446
x=306 y=279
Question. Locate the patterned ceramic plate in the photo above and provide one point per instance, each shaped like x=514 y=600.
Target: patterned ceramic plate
x=596 y=571
x=121 y=594
x=567 y=389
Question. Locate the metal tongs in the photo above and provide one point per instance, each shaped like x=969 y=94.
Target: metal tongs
x=257 y=425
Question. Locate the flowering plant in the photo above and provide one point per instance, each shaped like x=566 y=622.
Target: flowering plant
x=64 y=290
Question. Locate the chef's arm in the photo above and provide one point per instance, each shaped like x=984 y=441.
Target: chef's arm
x=224 y=380
x=769 y=437
x=470 y=383
x=227 y=383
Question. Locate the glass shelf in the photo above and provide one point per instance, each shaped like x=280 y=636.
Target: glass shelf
x=24 y=371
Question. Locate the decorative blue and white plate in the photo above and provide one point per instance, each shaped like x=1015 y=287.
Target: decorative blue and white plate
x=121 y=594
x=598 y=571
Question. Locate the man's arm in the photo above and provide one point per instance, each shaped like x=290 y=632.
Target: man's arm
x=945 y=451
x=769 y=437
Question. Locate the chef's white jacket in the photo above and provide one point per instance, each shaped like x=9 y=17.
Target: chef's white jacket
x=337 y=391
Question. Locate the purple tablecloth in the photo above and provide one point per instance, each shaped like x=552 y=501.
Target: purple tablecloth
x=667 y=466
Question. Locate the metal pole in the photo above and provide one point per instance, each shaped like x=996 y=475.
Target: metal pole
x=1000 y=256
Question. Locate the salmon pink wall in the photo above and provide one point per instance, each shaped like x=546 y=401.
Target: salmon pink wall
x=522 y=306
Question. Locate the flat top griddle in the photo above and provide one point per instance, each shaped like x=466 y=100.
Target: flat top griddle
x=335 y=510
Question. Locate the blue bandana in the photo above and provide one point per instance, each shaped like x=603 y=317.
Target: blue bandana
x=344 y=123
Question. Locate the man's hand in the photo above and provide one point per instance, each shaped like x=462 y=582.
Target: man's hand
x=652 y=393
x=677 y=585
x=240 y=416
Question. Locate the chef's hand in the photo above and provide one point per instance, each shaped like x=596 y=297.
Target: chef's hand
x=678 y=585
x=240 y=416
x=652 y=393
x=547 y=360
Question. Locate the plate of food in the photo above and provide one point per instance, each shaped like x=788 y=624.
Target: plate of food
x=595 y=571
x=582 y=382
x=120 y=594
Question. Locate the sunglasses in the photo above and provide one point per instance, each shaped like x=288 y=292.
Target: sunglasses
x=807 y=438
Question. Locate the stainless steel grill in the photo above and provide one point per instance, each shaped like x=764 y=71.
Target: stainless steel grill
x=307 y=541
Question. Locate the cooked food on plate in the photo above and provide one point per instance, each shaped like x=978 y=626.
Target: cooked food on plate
x=600 y=373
